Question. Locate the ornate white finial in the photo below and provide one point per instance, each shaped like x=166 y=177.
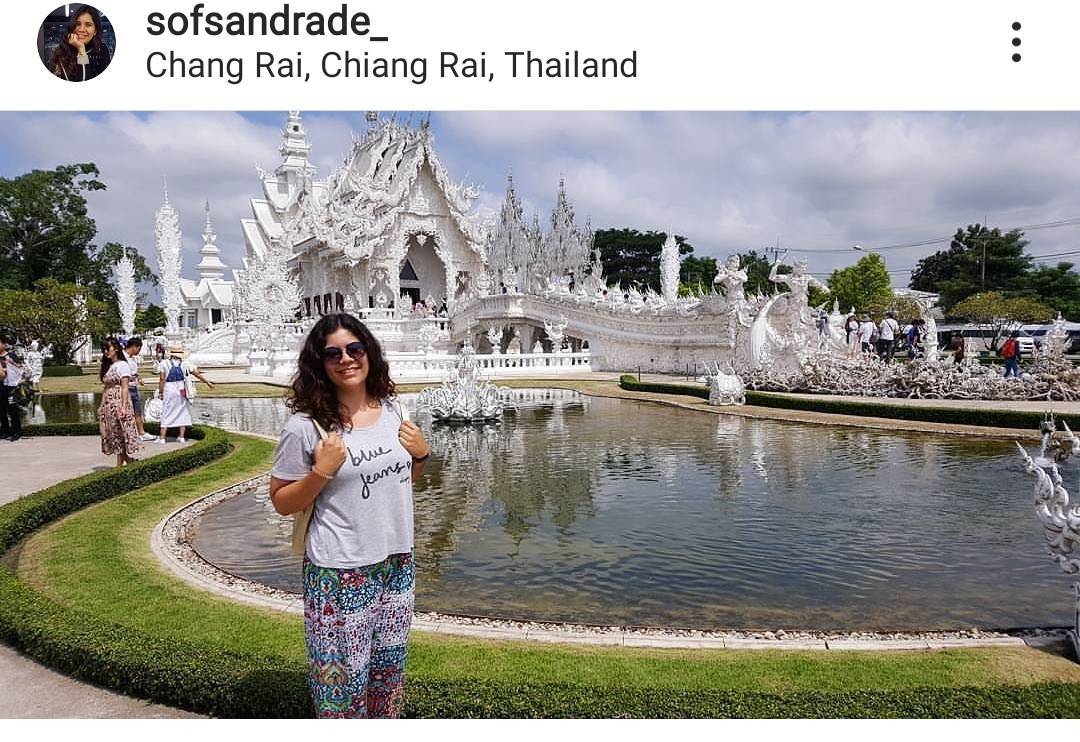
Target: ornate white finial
x=124 y=275
x=165 y=186
x=669 y=269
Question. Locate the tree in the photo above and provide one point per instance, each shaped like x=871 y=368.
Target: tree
x=757 y=269
x=862 y=285
x=58 y=314
x=993 y=310
x=632 y=258
x=696 y=274
x=979 y=259
x=1056 y=286
x=149 y=319
x=46 y=232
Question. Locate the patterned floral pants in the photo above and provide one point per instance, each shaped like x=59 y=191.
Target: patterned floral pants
x=357 y=624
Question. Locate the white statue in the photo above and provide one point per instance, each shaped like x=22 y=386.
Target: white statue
x=732 y=278
x=725 y=388
x=494 y=336
x=514 y=346
x=35 y=362
x=538 y=347
x=669 y=269
x=464 y=395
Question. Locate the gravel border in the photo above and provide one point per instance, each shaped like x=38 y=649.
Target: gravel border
x=171 y=544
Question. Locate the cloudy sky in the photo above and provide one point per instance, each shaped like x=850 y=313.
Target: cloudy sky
x=818 y=182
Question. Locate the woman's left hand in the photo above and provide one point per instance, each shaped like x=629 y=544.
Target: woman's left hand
x=413 y=440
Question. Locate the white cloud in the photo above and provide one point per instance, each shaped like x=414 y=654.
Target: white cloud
x=728 y=181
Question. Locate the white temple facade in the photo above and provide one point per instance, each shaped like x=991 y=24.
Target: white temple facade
x=207 y=302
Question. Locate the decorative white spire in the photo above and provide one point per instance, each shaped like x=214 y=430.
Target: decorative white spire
x=566 y=248
x=210 y=266
x=294 y=149
x=512 y=242
x=169 y=242
x=669 y=269
x=124 y=275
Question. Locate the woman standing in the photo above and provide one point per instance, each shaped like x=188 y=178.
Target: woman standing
x=83 y=54
x=116 y=417
x=173 y=388
x=358 y=567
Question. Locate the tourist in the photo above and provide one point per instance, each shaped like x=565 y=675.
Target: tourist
x=890 y=328
x=359 y=481
x=867 y=330
x=1010 y=351
x=11 y=372
x=132 y=351
x=116 y=418
x=914 y=339
x=82 y=54
x=159 y=352
x=851 y=327
x=956 y=345
x=176 y=391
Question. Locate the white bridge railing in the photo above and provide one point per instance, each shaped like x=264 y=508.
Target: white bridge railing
x=418 y=365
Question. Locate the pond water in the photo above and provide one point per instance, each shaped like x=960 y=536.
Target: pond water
x=616 y=512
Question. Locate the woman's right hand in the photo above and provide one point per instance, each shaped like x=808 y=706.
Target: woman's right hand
x=330 y=454
x=74 y=41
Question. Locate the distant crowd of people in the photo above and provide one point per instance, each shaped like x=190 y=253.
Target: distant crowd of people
x=884 y=339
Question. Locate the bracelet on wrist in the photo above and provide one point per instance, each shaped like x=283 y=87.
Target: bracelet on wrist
x=420 y=459
x=318 y=473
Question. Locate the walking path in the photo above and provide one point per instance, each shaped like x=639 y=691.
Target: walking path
x=31 y=690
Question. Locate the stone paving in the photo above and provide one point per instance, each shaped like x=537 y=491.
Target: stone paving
x=31 y=690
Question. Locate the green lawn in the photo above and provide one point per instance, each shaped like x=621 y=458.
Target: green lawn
x=98 y=562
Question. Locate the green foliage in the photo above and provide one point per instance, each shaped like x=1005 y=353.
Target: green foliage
x=45 y=230
x=1000 y=313
x=862 y=285
x=1057 y=286
x=149 y=319
x=696 y=275
x=757 y=269
x=57 y=314
x=632 y=258
x=958 y=272
x=47 y=233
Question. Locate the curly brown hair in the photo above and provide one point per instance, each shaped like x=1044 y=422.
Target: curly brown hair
x=64 y=55
x=313 y=393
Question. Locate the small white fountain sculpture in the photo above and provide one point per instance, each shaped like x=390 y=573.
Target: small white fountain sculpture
x=725 y=388
x=124 y=275
x=1059 y=519
x=465 y=396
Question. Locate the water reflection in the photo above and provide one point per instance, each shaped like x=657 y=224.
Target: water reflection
x=612 y=511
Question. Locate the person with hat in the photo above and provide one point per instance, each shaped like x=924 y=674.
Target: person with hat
x=175 y=389
x=867 y=330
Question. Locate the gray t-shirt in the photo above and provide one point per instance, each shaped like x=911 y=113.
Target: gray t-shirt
x=365 y=513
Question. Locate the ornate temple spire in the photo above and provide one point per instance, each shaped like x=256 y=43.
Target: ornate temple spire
x=124 y=276
x=210 y=266
x=169 y=243
x=511 y=244
x=566 y=247
x=294 y=150
x=669 y=269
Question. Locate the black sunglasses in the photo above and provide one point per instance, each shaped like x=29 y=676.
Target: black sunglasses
x=333 y=354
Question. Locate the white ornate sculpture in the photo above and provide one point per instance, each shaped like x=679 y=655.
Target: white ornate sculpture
x=1059 y=518
x=465 y=396
x=168 y=239
x=35 y=362
x=1056 y=341
x=124 y=275
x=513 y=346
x=555 y=333
x=669 y=269
x=494 y=336
x=732 y=278
x=931 y=351
x=725 y=388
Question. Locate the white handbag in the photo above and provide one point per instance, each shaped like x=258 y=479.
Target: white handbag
x=152 y=409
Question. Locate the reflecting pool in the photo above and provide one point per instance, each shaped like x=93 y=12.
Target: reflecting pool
x=616 y=512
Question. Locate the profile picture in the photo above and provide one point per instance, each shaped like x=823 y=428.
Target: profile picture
x=76 y=42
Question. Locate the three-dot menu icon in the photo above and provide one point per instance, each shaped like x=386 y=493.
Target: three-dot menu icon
x=1016 y=41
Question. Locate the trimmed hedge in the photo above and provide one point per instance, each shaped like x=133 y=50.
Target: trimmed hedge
x=22 y=517
x=1012 y=419
x=62 y=371
x=213 y=681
